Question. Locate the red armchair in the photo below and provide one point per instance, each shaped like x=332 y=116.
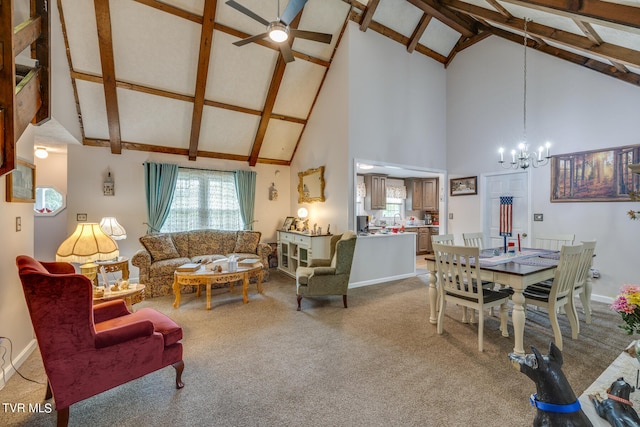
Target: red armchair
x=89 y=349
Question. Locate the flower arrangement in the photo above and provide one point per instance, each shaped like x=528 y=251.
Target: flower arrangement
x=635 y=197
x=628 y=305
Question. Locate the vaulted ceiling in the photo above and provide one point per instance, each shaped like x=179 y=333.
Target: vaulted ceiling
x=165 y=76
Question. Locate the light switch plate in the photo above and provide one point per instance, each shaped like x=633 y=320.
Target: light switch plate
x=538 y=217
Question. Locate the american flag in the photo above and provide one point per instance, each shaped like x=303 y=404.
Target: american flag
x=506 y=215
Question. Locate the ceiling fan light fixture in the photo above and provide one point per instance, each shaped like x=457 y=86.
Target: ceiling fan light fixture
x=278 y=32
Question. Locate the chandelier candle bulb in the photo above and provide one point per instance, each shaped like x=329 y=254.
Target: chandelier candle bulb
x=540 y=153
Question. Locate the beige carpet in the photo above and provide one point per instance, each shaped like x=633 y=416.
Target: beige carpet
x=378 y=363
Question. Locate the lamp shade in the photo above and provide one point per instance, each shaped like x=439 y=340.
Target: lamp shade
x=87 y=243
x=112 y=228
x=303 y=213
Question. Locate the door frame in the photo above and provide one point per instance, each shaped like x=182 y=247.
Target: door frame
x=484 y=200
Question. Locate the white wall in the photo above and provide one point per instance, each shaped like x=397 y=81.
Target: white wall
x=50 y=231
x=577 y=109
x=88 y=167
x=15 y=322
x=378 y=103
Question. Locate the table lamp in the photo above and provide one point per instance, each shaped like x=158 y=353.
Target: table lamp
x=88 y=243
x=112 y=228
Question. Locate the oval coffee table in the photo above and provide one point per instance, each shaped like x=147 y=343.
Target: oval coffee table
x=205 y=277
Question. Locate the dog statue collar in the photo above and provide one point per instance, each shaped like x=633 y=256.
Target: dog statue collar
x=553 y=407
x=619 y=399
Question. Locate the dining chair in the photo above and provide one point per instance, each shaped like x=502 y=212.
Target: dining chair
x=445 y=239
x=554 y=242
x=560 y=293
x=582 y=286
x=473 y=239
x=458 y=279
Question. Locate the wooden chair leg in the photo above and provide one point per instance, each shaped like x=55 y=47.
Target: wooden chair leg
x=48 y=394
x=299 y=299
x=179 y=367
x=344 y=300
x=63 y=417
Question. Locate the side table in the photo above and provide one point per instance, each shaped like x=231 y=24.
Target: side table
x=131 y=296
x=120 y=264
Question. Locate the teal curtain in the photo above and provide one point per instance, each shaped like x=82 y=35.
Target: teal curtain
x=246 y=190
x=159 y=184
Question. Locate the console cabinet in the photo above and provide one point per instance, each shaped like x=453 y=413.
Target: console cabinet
x=299 y=249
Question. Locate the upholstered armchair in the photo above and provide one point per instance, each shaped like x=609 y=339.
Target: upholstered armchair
x=328 y=276
x=89 y=349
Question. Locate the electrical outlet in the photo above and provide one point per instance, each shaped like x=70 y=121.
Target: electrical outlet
x=538 y=217
x=18 y=223
x=451 y=215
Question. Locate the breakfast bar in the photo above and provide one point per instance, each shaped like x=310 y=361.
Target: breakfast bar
x=381 y=258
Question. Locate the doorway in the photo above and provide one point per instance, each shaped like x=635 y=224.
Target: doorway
x=515 y=184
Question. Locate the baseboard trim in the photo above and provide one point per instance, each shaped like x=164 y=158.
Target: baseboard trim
x=381 y=280
x=18 y=360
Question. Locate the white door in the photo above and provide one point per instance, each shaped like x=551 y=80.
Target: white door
x=514 y=184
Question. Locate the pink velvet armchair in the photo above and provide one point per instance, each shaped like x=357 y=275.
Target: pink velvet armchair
x=89 y=349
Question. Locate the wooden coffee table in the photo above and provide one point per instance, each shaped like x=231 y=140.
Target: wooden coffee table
x=204 y=277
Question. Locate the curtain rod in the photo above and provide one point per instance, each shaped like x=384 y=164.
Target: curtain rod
x=201 y=169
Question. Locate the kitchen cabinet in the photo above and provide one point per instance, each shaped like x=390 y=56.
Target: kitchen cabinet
x=299 y=249
x=422 y=194
x=376 y=197
x=423 y=239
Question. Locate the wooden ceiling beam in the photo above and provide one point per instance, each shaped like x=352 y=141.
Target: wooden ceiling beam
x=418 y=32
x=76 y=75
x=595 y=11
x=500 y=8
x=105 y=42
x=462 y=24
x=464 y=43
x=593 y=35
x=204 y=56
x=574 y=41
x=589 y=63
x=368 y=14
x=272 y=94
x=396 y=36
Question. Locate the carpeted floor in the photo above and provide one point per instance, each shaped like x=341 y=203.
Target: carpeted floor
x=378 y=363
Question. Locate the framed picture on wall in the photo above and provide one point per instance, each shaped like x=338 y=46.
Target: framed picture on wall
x=463 y=186
x=21 y=183
x=288 y=222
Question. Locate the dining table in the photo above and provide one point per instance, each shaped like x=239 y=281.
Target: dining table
x=515 y=270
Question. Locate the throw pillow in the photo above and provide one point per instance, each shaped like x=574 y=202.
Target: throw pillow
x=247 y=242
x=160 y=246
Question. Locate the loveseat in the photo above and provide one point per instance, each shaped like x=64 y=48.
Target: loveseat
x=164 y=252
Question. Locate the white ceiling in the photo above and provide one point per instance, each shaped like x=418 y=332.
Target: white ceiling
x=252 y=108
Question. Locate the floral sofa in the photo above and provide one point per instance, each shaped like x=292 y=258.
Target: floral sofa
x=164 y=252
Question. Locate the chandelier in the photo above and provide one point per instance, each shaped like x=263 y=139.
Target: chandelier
x=523 y=158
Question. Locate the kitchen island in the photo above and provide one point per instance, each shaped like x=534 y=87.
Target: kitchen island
x=381 y=258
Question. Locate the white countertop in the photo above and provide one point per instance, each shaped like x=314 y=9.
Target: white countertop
x=389 y=234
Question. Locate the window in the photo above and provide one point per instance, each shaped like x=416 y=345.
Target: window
x=204 y=199
x=49 y=201
x=393 y=207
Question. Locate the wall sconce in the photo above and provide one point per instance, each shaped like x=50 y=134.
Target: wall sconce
x=107 y=186
x=273 y=192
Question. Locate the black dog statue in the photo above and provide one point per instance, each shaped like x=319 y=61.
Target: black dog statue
x=555 y=400
x=617 y=409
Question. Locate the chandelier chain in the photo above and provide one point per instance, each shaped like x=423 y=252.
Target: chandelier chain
x=524 y=108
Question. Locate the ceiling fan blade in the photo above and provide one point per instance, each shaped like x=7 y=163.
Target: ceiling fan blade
x=291 y=11
x=285 y=49
x=242 y=9
x=311 y=35
x=250 y=39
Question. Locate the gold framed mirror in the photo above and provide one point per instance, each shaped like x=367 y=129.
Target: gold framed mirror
x=311 y=185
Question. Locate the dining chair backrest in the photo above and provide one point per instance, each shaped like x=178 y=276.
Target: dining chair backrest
x=458 y=272
x=588 y=248
x=473 y=239
x=554 y=242
x=445 y=239
x=565 y=276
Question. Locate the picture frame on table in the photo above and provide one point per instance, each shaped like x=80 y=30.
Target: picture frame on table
x=288 y=222
x=463 y=186
x=21 y=183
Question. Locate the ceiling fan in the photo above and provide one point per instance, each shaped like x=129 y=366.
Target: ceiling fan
x=278 y=30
